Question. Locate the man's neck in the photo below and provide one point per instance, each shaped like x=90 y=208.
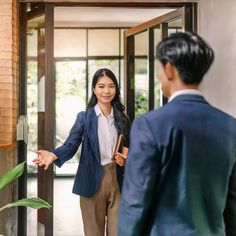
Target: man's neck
x=184 y=92
x=181 y=86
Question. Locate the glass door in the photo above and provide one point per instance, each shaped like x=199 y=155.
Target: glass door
x=37 y=108
x=35 y=105
x=70 y=87
x=142 y=89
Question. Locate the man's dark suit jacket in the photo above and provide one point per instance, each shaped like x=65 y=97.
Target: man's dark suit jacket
x=90 y=170
x=180 y=175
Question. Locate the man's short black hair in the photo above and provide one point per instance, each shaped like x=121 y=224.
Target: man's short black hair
x=189 y=53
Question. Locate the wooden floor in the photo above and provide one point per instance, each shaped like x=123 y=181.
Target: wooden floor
x=67 y=215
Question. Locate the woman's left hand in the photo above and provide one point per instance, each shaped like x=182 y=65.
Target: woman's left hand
x=120 y=159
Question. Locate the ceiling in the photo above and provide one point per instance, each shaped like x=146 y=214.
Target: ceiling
x=104 y=16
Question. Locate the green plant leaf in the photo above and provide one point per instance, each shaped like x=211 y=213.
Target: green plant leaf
x=35 y=203
x=11 y=175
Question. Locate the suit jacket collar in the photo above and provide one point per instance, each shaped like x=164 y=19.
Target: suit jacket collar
x=185 y=91
x=189 y=97
x=91 y=125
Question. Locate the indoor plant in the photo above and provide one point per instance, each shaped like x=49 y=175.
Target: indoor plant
x=13 y=175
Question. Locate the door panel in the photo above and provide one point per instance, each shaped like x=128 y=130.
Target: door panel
x=142 y=89
x=141 y=86
x=39 y=101
x=35 y=94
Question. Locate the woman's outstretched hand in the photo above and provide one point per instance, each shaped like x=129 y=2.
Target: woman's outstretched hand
x=44 y=159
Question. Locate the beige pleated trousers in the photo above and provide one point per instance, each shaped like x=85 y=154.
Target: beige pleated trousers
x=100 y=212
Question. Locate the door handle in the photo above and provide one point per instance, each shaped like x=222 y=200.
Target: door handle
x=22 y=129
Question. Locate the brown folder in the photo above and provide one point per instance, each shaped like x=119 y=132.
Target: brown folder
x=118 y=142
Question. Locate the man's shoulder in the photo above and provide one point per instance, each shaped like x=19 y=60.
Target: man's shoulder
x=156 y=116
x=224 y=114
x=159 y=112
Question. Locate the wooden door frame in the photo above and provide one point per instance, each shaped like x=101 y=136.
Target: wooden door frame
x=46 y=119
x=188 y=12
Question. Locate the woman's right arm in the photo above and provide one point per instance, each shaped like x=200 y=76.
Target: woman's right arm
x=72 y=143
x=68 y=149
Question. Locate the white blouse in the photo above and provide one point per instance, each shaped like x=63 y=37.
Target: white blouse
x=107 y=135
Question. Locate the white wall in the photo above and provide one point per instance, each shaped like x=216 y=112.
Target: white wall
x=217 y=26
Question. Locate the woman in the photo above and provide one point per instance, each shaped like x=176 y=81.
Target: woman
x=98 y=179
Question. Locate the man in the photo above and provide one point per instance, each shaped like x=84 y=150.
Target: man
x=180 y=176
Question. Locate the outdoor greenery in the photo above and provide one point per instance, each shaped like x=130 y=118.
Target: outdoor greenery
x=141 y=87
x=141 y=100
x=32 y=104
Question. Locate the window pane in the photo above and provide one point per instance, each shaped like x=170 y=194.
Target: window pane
x=32 y=113
x=157 y=87
x=69 y=43
x=141 y=87
x=103 y=42
x=122 y=89
x=70 y=99
x=141 y=43
x=175 y=25
x=32 y=42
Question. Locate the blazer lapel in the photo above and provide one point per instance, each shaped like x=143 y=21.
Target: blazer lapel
x=92 y=128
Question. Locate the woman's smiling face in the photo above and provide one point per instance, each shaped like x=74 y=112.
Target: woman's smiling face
x=105 y=90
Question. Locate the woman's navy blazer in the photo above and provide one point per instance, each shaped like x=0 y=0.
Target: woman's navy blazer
x=90 y=170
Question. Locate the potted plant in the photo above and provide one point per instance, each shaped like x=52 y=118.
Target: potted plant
x=13 y=175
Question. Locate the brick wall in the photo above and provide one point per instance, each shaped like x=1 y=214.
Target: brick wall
x=9 y=82
x=8 y=71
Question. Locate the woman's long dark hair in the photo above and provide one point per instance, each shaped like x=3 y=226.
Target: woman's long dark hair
x=121 y=119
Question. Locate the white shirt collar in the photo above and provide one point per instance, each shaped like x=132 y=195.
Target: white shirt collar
x=185 y=91
x=99 y=112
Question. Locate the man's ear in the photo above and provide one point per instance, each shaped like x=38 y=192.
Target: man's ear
x=169 y=70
